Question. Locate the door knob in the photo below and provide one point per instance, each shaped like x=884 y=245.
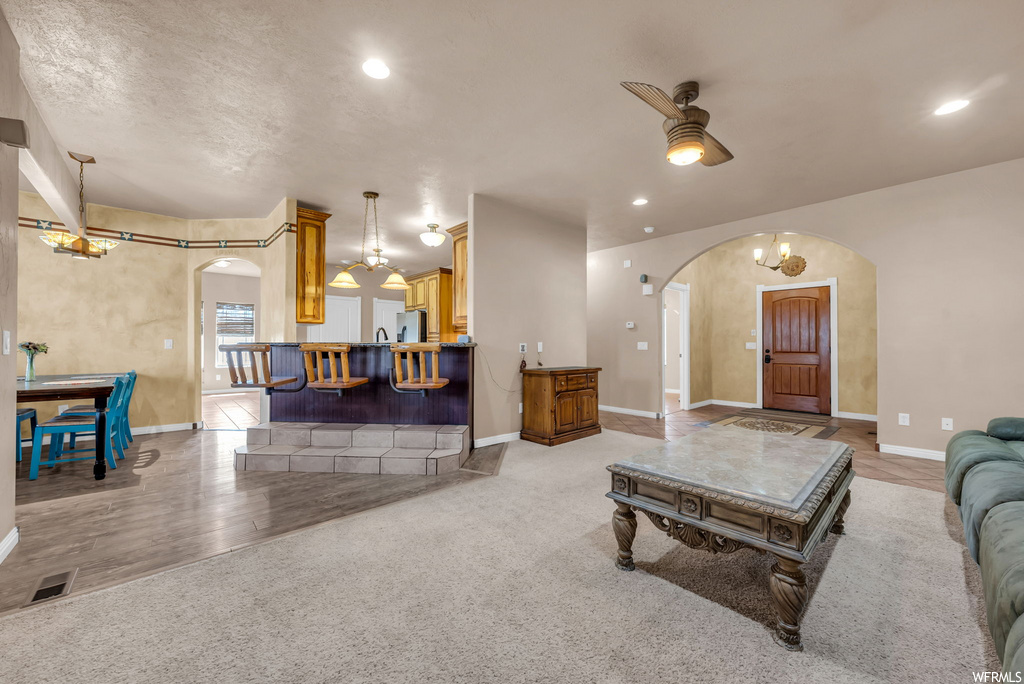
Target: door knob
x=767 y=356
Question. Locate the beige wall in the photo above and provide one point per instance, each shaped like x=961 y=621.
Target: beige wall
x=527 y=283
x=728 y=278
x=232 y=289
x=114 y=313
x=947 y=257
x=11 y=94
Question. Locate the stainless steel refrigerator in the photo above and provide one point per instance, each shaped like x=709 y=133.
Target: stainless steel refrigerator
x=412 y=326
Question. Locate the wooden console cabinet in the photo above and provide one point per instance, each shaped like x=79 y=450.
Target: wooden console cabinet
x=559 y=404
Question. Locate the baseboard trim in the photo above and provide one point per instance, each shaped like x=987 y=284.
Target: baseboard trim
x=699 y=404
x=629 y=412
x=496 y=439
x=9 y=542
x=735 y=404
x=856 y=416
x=913 y=452
x=231 y=390
x=147 y=430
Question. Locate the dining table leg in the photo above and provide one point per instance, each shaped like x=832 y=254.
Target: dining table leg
x=99 y=470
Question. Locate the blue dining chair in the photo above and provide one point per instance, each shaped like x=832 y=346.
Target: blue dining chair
x=77 y=425
x=23 y=415
x=121 y=431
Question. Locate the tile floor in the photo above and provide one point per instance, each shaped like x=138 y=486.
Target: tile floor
x=233 y=411
x=860 y=434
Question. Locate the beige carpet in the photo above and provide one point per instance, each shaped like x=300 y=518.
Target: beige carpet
x=511 y=579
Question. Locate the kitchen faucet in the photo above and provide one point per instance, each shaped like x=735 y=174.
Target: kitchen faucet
x=379 y=331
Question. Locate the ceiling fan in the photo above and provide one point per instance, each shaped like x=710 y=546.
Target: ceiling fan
x=685 y=124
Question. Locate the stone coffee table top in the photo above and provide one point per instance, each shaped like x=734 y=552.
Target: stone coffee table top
x=762 y=468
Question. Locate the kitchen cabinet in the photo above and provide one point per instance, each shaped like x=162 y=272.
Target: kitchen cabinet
x=432 y=291
x=560 y=404
x=460 y=255
x=310 y=265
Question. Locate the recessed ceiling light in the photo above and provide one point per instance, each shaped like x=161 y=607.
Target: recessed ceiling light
x=648 y=229
x=950 y=107
x=223 y=263
x=639 y=202
x=375 y=68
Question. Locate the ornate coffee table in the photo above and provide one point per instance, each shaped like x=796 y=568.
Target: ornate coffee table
x=725 y=488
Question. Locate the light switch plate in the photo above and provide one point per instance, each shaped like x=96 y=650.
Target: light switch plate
x=540 y=347
x=218 y=376
x=904 y=419
x=753 y=333
x=7 y=342
x=168 y=344
x=947 y=423
x=648 y=289
x=751 y=345
x=641 y=346
x=520 y=407
x=627 y=263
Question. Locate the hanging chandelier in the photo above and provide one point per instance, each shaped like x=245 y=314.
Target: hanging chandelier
x=78 y=246
x=790 y=264
x=345 y=279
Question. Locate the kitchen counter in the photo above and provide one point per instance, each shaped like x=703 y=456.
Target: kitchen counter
x=378 y=344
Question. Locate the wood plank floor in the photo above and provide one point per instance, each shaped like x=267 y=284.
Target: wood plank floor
x=860 y=434
x=176 y=499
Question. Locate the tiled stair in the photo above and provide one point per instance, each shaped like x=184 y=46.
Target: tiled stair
x=354 y=448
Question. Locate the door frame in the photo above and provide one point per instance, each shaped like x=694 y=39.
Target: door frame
x=684 y=345
x=833 y=323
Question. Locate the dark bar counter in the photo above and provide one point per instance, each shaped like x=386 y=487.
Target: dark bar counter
x=376 y=401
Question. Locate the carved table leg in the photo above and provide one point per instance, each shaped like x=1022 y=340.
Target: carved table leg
x=624 y=526
x=837 y=526
x=789 y=597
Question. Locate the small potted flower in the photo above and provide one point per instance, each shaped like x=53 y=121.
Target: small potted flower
x=31 y=349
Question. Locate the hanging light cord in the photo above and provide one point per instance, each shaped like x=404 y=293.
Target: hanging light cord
x=366 y=215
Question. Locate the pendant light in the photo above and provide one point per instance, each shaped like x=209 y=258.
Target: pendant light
x=432 y=238
x=345 y=279
x=78 y=246
x=790 y=264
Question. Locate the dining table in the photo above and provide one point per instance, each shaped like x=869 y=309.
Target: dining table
x=75 y=387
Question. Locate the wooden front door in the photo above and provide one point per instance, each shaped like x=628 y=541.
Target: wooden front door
x=797 y=350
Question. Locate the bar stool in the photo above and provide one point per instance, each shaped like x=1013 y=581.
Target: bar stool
x=236 y=367
x=23 y=415
x=420 y=383
x=313 y=357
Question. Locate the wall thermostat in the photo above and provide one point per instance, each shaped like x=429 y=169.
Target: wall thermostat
x=630 y=325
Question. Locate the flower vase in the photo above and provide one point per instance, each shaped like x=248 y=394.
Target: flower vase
x=30 y=368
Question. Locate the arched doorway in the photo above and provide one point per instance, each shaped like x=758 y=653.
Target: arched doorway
x=229 y=313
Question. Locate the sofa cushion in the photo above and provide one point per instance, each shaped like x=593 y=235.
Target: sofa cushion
x=1001 y=556
x=1007 y=428
x=1017 y=446
x=986 y=486
x=1013 y=652
x=966 y=450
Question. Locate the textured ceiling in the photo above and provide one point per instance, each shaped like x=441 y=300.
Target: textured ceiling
x=219 y=109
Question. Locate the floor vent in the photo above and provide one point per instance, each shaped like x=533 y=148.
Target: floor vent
x=53 y=587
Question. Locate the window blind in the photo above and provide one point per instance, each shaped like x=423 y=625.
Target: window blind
x=236 y=320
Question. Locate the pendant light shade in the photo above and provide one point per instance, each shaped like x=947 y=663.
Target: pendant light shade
x=57 y=238
x=432 y=238
x=344 y=279
x=395 y=281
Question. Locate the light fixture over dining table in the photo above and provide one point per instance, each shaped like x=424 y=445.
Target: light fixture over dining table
x=78 y=246
x=345 y=279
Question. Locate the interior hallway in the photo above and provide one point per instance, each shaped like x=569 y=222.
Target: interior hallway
x=860 y=434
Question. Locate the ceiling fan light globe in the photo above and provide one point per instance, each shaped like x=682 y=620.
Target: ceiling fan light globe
x=685 y=153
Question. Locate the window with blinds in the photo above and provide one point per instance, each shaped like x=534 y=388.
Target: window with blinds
x=236 y=324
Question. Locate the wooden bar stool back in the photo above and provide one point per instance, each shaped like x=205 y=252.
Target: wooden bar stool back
x=259 y=359
x=422 y=381
x=314 y=354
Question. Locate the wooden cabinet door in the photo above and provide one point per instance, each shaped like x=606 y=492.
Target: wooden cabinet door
x=460 y=306
x=433 y=291
x=587 y=407
x=420 y=296
x=565 y=412
x=410 y=296
x=797 y=349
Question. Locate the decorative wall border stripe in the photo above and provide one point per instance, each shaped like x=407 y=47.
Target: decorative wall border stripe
x=125 y=236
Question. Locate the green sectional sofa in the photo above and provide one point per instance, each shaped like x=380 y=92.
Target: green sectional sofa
x=985 y=479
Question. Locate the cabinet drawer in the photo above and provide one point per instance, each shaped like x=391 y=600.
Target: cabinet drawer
x=577 y=382
x=561 y=383
x=591 y=380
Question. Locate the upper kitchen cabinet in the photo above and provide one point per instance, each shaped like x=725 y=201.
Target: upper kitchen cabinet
x=460 y=304
x=310 y=265
x=432 y=291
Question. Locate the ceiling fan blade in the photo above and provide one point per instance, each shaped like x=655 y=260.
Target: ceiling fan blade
x=714 y=152
x=654 y=97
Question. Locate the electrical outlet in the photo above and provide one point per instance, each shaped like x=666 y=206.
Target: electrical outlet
x=520 y=407
x=751 y=345
x=947 y=423
x=904 y=419
x=641 y=346
x=753 y=333
x=522 y=347
x=540 y=347
x=218 y=376
x=168 y=344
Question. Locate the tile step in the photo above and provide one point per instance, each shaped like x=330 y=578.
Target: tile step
x=336 y=435
x=365 y=460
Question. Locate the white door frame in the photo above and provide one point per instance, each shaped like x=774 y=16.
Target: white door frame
x=684 y=344
x=833 y=322
x=378 y=313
